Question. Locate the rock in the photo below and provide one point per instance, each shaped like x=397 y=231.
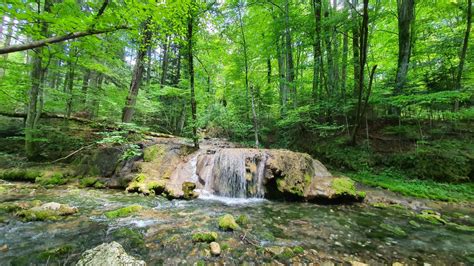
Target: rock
x=358 y=263
x=4 y=248
x=227 y=223
x=47 y=211
x=432 y=217
x=205 y=237
x=188 y=190
x=275 y=250
x=108 y=254
x=397 y=264
x=123 y=212
x=215 y=248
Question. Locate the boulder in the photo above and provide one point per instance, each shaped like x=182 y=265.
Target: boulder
x=227 y=223
x=215 y=248
x=47 y=211
x=108 y=254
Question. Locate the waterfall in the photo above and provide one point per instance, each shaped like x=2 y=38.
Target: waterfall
x=234 y=173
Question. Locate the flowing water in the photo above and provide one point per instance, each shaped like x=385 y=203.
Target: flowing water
x=162 y=232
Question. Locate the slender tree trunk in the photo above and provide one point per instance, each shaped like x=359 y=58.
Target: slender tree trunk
x=345 y=50
x=329 y=56
x=364 y=35
x=355 y=46
x=70 y=83
x=246 y=64
x=8 y=40
x=406 y=15
x=148 y=62
x=289 y=55
x=34 y=108
x=165 y=63
x=462 y=54
x=191 y=79
x=138 y=70
x=316 y=48
x=85 y=86
x=282 y=77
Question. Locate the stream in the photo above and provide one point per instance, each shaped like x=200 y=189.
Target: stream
x=162 y=232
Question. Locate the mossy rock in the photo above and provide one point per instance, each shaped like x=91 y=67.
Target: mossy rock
x=227 y=223
x=53 y=179
x=27 y=175
x=87 y=182
x=123 y=212
x=345 y=187
x=298 y=250
x=48 y=211
x=242 y=220
x=396 y=230
x=135 y=237
x=56 y=252
x=153 y=152
x=207 y=237
x=188 y=190
x=431 y=216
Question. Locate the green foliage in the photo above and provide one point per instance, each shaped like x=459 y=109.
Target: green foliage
x=88 y=182
x=131 y=151
x=414 y=187
x=51 y=180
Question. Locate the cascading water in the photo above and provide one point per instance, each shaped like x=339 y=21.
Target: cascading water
x=234 y=173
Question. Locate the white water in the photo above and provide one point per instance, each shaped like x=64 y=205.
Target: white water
x=205 y=195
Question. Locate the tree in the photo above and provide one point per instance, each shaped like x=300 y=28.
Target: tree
x=462 y=54
x=406 y=17
x=189 y=38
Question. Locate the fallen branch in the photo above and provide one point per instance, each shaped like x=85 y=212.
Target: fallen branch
x=71 y=154
x=56 y=39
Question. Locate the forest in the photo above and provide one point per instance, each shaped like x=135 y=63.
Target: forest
x=144 y=120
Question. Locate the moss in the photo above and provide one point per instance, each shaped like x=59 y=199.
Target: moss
x=135 y=237
x=344 y=186
x=227 y=223
x=87 y=182
x=156 y=186
x=242 y=220
x=188 y=190
x=383 y=205
x=298 y=250
x=225 y=246
x=99 y=185
x=38 y=215
x=396 y=230
x=207 y=237
x=414 y=224
x=432 y=217
x=287 y=254
x=123 y=212
x=28 y=175
x=51 y=180
x=152 y=152
x=56 y=252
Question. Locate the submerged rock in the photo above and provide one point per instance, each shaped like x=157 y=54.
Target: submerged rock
x=227 y=223
x=108 y=254
x=123 y=212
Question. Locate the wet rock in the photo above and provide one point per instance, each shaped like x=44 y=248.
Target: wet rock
x=188 y=190
x=358 y=263
x=432 y=217
x=47 y=211
x=396 y=230
x=215 y=248
x=108 y=254
x=227 y=223
x=123 y=212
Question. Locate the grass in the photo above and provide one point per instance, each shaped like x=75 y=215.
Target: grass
x=427 y=189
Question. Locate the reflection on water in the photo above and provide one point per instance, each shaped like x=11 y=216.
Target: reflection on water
x=162 y=232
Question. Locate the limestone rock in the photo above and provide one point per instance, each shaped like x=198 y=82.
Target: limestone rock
x=108 y=254
x=215 y=248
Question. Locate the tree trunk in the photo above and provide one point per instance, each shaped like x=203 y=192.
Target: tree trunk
x=364 y=35
x=282 y=77
x=406 y=15
x=316 y=48
x=191 y=79
x=355 y=46
x=462 y=54
x=246 y=64
x=34 y=108
x=289 y=55
x=85 y=86
x=165 y=63
x=8 y=40
x=345 y=50
x=138 y=70
x=70 y=82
